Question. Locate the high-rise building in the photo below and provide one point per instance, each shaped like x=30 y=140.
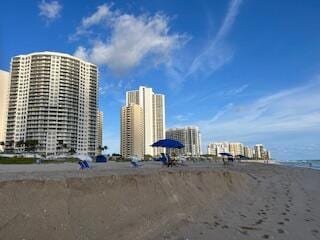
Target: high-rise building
x=153 y=106
x=99 y=132
x=217 y=148
x=248 y=152
x=53 y=100
x=4 y=92
x=236 y=149
x=258 y=151
x=190 y=137
x=132 y=131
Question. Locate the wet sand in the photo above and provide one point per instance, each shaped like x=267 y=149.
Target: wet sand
x=200 y=201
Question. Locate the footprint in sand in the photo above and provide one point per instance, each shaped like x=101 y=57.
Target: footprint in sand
x=287 y=219
x=260 y=221
x=280 y=231
x=284 y=213
x=265 y=236
x=315 y=231
x=281 y=223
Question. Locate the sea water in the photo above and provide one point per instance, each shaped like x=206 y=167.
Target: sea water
x=314 y=164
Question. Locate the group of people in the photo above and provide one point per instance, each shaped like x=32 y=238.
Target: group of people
x=167 y=160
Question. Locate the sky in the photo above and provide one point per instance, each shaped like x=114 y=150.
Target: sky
x=241 y=70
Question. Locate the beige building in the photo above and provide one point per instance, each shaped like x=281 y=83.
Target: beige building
x=189 y=136
x=99 y=132
x=4 y=92
x=53 y=100
x=236 y=149
x=132 y=131
x=153 y=106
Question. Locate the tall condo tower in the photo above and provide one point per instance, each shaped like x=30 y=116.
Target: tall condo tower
x=4 y=92
x=132 y=131
x=99 y=132
x=153 y=106
x=53 y=100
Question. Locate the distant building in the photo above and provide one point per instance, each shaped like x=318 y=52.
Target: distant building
x=99 y=132
x=153 y=107
x=53 y=101
x=217 y=148
x=132 y=131
x=4 y=93
x=248 y=152
x=190 y=137
x=258 y=151
x=261 y=153
x=236 y=149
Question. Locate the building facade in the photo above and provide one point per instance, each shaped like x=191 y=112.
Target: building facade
x=99 y=132
x=217 y=148
x=248 y=152
x=236 y=149
x=53 y=100
x=4 y=93
x=132 y=131
x=153 y=106
x=190 y=137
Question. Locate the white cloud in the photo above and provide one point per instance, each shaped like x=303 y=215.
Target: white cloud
x=102 y=13
x=132 y=40
x=49 y=10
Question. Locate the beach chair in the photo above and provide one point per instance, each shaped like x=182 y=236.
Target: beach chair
x=86 y=164
x=82 y=165
x=163 y=159
x=135 y=164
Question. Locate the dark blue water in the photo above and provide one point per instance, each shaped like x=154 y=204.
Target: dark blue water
x=314 y=164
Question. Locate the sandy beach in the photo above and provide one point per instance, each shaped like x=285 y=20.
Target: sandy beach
x=199 y=201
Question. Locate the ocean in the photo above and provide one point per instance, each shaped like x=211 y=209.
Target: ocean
x=314 y=164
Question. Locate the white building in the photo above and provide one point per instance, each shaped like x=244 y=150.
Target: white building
x=189 y=136
x=248 y=152
x=217 y=148
x=4 y=92
x=53 y=100
x=153 y=106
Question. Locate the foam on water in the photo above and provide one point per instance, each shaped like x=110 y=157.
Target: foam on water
x=314 y=164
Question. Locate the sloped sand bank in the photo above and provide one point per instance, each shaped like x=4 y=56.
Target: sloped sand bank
x=239 y=202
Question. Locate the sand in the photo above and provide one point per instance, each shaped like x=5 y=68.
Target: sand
x=200 y=201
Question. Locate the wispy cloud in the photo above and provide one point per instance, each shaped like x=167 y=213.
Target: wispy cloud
x=216 y=54
x=50 y=10
x=291 y=111
x=233 y=91
x=132 y=39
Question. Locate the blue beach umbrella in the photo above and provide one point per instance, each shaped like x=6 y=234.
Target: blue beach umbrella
x=168 y=143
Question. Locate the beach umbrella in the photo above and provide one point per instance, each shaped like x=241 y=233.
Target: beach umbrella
x=168 y=143
x=225 y=154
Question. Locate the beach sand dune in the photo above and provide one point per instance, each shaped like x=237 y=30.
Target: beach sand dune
x=241 y=201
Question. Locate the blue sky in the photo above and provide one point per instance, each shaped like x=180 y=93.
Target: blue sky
x=241 y=70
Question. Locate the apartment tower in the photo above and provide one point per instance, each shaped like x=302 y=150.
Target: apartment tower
x=132 y=131
x=4 y=92
x=190 y=137
x=53 y=100
x=153 y=107
x=99 y=132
